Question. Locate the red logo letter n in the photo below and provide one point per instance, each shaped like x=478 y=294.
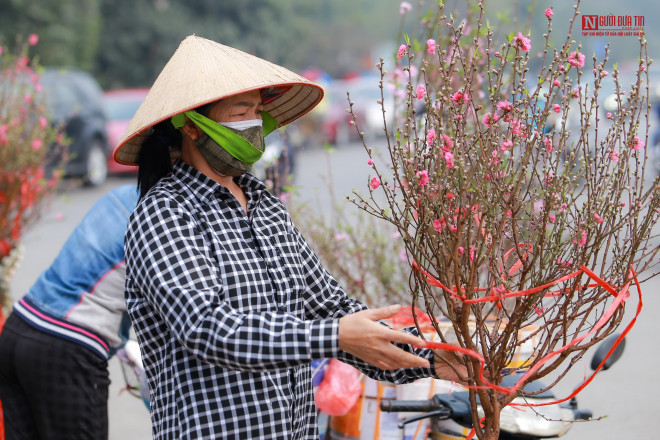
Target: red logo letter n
x=590 y=22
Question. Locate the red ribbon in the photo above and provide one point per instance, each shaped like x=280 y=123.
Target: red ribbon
x=620 y=298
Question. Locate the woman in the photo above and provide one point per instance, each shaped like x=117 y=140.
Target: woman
x=229 y=303
x=55 y=346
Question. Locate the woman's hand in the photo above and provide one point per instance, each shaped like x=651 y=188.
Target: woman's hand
x=449 y=367
x=366 y=339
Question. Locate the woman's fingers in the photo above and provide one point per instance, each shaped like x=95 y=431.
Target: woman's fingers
x=448 y=367
x=363 y=337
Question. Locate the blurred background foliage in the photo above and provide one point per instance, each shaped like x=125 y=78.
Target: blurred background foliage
x=125 y=43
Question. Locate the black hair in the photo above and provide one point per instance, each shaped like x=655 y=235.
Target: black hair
x=155 y=161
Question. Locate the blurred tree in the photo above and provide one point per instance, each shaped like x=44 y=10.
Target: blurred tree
x=68 y=30
x=126 y=42
x=139 y=37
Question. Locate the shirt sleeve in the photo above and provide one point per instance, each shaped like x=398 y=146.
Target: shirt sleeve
x=169 y=265
x=325 y=298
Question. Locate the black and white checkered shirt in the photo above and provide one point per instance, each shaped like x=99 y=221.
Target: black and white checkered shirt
x=229 y=311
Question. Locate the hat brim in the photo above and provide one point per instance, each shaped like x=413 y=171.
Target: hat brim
x=202 y=71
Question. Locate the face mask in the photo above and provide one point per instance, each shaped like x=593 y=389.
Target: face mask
x=231 y=147
x=221 y=160
x=243 y=125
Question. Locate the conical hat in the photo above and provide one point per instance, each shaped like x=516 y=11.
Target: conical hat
x=203 y=71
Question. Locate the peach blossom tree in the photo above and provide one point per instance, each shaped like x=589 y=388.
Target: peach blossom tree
x=27 y=139
x=519 y=202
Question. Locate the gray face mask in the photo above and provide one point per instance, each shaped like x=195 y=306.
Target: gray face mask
x=220 y=160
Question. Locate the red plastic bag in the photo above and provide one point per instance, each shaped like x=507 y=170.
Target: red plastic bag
x=340 y=389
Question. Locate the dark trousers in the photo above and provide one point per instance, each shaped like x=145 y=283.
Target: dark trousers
x=50 y=388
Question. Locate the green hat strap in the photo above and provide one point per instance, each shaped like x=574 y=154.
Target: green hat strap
x=235 y=145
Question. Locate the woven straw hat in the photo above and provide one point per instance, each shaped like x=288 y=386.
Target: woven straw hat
x=203 y=71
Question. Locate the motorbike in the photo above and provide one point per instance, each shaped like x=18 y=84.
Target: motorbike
x=451 y=417
x=133 y=370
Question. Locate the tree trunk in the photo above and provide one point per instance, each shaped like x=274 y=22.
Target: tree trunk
x=490 y=424
x=489 y=432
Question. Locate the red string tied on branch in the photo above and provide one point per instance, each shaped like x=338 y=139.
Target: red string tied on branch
x=619 y=299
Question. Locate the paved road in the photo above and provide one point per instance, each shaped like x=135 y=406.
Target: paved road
x=627 y=394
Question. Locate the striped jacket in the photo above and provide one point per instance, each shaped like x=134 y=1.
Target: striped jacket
x=80 y=297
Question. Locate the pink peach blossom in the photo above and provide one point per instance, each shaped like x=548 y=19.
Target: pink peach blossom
x=423 y=177
x=583 y=239
x=504 y=106
x=459 y=97
x=449 y=159
x=516 y=127
x=430 y=44
x=446 y=143
x=489 y=119
x=506 y=145
x=402 y=51
x=374 y=183
x=33 y=39
x=548 y=13
x=439 y=224
x=637 y=143
x=430 y=136
x=576 y=59
x=420 y=91
x=521 y=42
x=547 y=141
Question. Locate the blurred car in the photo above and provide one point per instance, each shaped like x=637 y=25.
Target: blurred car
x=73 y=98
x=120 y=107
x=365 y=94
